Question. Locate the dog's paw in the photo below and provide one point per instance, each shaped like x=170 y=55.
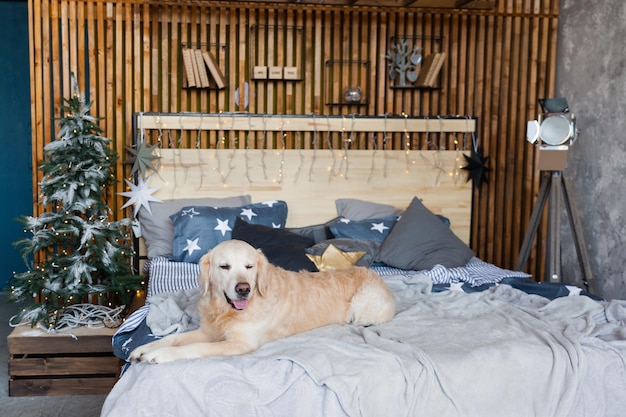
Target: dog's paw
x=159 y=355
x=137 y=355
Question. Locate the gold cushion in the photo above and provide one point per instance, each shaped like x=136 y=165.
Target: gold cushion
x=333 y=258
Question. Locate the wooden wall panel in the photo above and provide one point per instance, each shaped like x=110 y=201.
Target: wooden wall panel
x=127 y=56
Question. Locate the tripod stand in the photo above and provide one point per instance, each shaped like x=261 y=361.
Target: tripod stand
x=554 y=186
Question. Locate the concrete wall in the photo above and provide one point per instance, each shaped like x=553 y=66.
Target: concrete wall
x=592 y=76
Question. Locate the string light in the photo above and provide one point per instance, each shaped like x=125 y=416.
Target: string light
x=228 y=138
x=407 y=143
x=90 y=315
x=246 y=153
x=315 y=146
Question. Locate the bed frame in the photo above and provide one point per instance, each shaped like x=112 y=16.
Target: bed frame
x=309 y=161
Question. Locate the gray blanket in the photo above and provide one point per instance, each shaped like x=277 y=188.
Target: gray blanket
x=496 y=353
x=173 y=312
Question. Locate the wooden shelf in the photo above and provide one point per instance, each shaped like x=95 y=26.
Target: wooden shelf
x=414 y=87
x=288 y=58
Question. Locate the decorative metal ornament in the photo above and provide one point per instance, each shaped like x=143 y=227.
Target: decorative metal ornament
x=353 y=95
x=403 y=62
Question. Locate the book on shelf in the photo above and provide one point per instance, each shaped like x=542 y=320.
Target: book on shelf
x=189 y=73
x=194 y=67
x=430 y=69
x=202 y=73
x=214 y=69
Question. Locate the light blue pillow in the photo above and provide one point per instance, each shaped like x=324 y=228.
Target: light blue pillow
x=199 y=229
x=371 y=229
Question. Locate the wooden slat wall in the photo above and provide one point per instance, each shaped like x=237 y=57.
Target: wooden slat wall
x=126 y=55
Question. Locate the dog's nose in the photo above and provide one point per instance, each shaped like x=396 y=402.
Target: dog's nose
x=242 y=288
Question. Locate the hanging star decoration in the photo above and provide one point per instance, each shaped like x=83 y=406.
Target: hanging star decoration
x=140 y=195
x=477 y=167
x=142 y=158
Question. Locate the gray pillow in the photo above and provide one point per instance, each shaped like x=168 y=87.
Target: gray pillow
x=420 y=240
x=355 y=209
x=157 y=228
x=317 y=232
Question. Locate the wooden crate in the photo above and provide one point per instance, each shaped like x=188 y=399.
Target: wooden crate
x=70 y=362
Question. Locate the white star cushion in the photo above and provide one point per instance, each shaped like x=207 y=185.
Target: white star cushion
x=372 y=229
x=198 y=229
x=192 y=246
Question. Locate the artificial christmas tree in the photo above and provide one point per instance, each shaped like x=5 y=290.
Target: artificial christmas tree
x=75 y=255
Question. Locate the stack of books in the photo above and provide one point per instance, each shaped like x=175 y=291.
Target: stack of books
x=198 y=65
x=430 y=69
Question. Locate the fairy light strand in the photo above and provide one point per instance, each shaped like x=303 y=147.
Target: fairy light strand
x=329 y=143
x=339 y=166
x=264 y=146
x=374 y=146
x=300 y=156
x=247 y=149
x=406 y=142
x=315 y=146
x=79 y=315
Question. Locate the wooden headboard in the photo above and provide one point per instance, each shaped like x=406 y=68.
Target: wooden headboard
x=309 y=161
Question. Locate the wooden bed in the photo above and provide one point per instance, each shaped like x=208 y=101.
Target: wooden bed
x=468 y=340
x=326 y=166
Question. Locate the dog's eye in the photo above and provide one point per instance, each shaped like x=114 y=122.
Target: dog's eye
x=249 y=266
x=225 y=267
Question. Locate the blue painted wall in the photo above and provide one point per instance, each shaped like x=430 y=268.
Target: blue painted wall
x=16 y=194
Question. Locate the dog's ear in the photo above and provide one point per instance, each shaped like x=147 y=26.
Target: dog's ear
x=204 y=278
x=261 y=272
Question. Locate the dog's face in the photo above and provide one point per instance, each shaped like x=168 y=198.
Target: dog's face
x=233 y=272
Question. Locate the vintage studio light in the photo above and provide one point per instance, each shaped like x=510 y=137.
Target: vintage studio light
x=553 y=131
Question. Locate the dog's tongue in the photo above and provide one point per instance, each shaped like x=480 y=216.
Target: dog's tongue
x=240 y=304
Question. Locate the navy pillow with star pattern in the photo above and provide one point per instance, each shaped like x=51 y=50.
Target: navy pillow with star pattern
x=371 y=229
x=199 y=229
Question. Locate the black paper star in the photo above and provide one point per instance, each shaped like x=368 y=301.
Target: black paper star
x=477 y=167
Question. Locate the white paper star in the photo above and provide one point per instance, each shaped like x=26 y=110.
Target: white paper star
x=247 y=212
x=192 y=245
x=276 y=226
x=380 y=227
x=139 y=195
x=270 y=203
x=222 y=226
x=456 y=286
x=190 y=212
x=344 y=220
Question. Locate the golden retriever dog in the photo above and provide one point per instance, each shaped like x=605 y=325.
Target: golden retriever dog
x=247 y=302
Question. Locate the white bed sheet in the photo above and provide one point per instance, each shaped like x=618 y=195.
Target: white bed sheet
x=497 y=353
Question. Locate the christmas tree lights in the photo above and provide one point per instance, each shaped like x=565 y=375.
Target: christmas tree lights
x=74 y=253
